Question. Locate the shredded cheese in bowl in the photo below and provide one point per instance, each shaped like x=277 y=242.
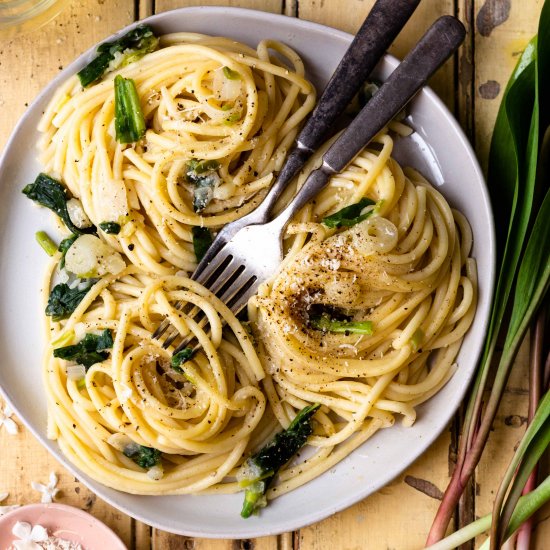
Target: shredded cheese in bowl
x=35 y=537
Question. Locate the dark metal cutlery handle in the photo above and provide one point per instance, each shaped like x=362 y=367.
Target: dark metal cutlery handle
x=434 y=48
x=378 y=31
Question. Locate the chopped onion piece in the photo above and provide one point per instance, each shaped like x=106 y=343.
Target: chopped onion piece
x=155 y=473
x=80 y=330
x=248 y=472
x=375 y=234
x=77 y=214
x=74 y=284
x=76 y=372
x=224 y=88
x=111 y=199
x=89 y=256
x=62 y=276
x=131 y=449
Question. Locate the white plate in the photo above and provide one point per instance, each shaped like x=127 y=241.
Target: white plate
x=438 y=148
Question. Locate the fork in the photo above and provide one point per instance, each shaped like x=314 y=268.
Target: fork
x=255 y=252
x=378 y=31
x=380 y=28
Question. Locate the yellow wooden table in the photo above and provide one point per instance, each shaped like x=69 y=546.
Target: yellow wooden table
x=399 y=516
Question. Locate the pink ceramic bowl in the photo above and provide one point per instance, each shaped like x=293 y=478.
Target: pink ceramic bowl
x=64 y=522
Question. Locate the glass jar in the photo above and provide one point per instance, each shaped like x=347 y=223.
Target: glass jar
x=18 y=16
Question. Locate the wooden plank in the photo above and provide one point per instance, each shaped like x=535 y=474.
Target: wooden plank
x=465 y=70
x=166 y=541
x=30 y=61
x=27 y=64
x=348 y=16
x=145 y=8
x=502 y=32
x=142 y=536
x=398 y=516
x=274 y=6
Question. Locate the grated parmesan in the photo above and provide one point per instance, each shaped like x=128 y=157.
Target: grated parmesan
x=36 y=537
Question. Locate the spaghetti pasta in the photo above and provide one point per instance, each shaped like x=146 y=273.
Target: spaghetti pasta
x=406 y=270
x=365 y=319
x=193 y=111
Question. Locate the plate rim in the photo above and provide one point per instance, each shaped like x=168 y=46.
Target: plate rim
x=260 y=530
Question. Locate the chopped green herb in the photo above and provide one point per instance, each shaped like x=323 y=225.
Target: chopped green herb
x=112 y=228
x=326 y=324
x=205 y=178
x=202 y=195
x=180 y=358
x=232 y=118
x=63 y=300
x=196 y=167
x=46 y=243
x=350 y=215
x=64 y=245
x=230 y=74
x=89 y=351
x=145 y=457
x=258 y=471
x=50 y=193
x=202 y=239
x=133 y=45
x=129 y=121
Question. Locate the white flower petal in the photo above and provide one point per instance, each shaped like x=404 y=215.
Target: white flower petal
x=38 y=486
x=21 y=529
x=53 y=481
x=48 y=491
x=4 y=496
x=8 y=411
x=11 y=426
x=39 y=533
